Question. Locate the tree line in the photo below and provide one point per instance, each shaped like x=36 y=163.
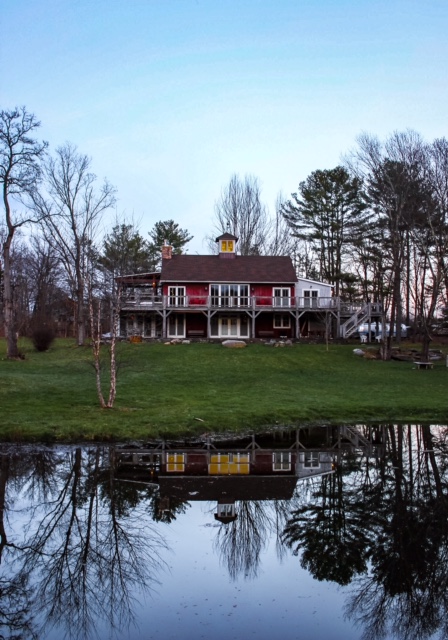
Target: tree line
x=60 y=263
x=375 y=227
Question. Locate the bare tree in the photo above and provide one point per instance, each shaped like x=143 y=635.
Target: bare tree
x=279 y=241
x=438 y=178
x=240 y=211
x=20 y=172
x=72 y=210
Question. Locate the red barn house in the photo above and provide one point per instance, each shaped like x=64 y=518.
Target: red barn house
x=227 y=296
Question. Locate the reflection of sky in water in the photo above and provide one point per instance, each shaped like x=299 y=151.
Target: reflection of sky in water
x=200 y=601
x=197 y=599
x=209 y=580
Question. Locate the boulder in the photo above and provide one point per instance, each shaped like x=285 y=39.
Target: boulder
x=234 y=344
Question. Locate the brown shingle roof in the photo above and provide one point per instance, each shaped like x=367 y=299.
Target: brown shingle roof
x=185 y=268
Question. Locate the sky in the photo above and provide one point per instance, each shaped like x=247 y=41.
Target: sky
x=170 y=98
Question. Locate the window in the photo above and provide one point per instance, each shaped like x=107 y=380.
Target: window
x=226 y=246
x=310 y=298
x=176 y=296
x=229 y=295
x=281 y=461
x=282 y=321
x=175 y=462
x=226 y=510
x=311 y=459
x=229 y=464
x=282 y=297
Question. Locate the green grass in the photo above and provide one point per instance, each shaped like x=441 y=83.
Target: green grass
x=191 y=389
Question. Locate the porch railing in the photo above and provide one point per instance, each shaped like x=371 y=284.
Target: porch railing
x=198 y=301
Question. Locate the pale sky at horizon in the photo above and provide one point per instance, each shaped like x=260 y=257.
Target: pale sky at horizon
x=170 y=98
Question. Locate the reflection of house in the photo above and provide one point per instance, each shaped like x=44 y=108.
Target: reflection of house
x=226 y=295
x=263 y=467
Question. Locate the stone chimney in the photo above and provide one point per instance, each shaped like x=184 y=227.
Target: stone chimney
x=167 y=251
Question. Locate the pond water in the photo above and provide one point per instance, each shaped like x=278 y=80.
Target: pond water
x=337 y=532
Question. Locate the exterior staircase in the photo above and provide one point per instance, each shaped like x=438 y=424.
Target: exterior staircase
x=356 y=438
x=359 y=317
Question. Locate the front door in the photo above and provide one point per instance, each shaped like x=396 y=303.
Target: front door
x=176 y=325
x=228 y=327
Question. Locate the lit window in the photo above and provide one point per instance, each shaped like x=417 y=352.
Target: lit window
x=175 y=462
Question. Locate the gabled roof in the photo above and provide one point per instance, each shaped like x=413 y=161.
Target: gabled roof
x=243 y=269
x=315 y=282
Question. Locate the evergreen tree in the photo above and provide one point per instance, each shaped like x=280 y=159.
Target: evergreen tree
x=125 y=251
x=168 y=231
x=329 y=213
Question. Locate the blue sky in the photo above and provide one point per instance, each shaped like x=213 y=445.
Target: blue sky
x=171 y=97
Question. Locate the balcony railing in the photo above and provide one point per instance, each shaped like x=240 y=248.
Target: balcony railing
x=144 y=301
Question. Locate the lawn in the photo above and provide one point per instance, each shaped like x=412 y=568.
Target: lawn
x=192 y=389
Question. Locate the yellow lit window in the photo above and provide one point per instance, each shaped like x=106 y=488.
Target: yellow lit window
x=224 y=245
x=175 y=462
x=229 y=464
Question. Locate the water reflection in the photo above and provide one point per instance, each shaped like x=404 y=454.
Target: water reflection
x=84 y=530
x=79 y=549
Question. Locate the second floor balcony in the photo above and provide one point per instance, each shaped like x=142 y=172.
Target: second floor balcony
x=145 y=301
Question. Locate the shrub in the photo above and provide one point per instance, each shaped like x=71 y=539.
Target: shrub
x=42 y=339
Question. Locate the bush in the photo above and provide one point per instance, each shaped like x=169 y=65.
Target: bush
x=42 y=339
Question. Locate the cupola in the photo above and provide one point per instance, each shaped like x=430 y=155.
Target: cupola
x=227 y=244
x=225 y=511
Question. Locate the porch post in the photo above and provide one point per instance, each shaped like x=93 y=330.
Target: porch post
x=252 y=315
x=297 y=324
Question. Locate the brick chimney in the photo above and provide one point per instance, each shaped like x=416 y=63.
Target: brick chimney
x=167 y=251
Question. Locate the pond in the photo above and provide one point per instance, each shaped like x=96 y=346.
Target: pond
x=337 y=532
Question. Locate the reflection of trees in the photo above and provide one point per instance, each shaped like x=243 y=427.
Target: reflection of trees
x=241 y=542
x=128 y=494
x=407 y=590
x=386 y=522
x=328 y=533
x=83 y=554
x=16 y=597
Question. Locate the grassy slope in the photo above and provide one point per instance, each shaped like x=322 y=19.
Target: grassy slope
x=164 y=389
